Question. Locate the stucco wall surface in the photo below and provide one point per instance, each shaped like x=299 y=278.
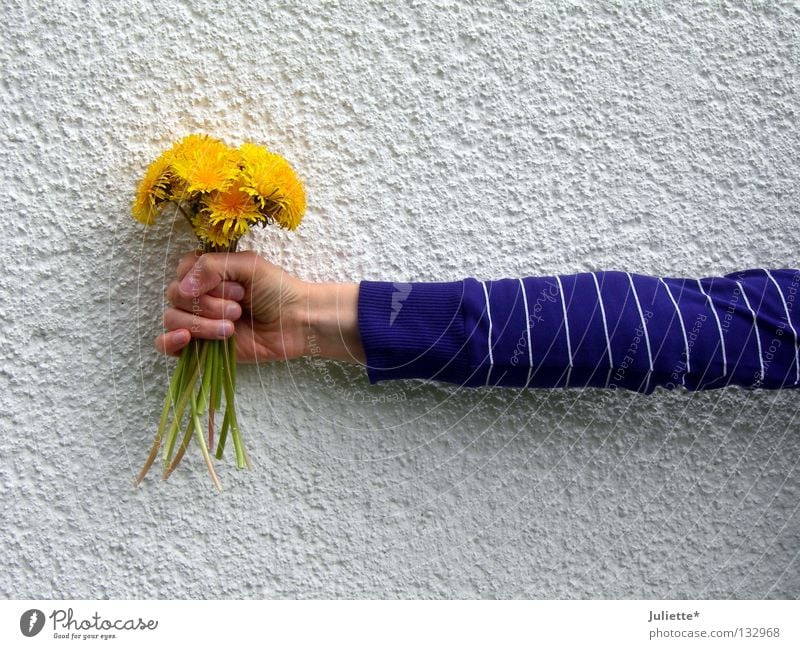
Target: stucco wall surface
x=437 y=140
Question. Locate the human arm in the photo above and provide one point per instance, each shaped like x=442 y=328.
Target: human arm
x=604 y=329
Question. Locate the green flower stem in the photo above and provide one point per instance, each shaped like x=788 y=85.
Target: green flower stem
x=208 y=369
x=187 y=437
x=247 y=462
x=186 y=391
x=216 y=390
x=168 y=402
x=232 y=356
x=216 y=386
x=189 y=359
x=227 y=376
x=197 y=405
x=198 y=429
x=223 y=435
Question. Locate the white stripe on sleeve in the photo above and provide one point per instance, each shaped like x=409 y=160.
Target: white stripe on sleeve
x=683 y=327
x=527 y=322
x=755 y=328
x=605 y=322
x=644 y=324
x=489 y=317
x=566 y=328
x=528 y=329
x=719 y=328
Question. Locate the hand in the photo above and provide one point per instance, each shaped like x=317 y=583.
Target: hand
x=275 y=315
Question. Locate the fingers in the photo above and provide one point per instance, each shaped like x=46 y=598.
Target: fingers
x=206 y=298
x=214 y=268
x=229 y=291
x=172 y=342
x=198 y=326
x=186 y=262
x=210 y=305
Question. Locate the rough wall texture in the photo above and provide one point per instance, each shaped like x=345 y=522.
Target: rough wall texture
x=438 y=141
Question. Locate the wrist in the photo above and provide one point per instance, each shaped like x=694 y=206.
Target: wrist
x=329 y=321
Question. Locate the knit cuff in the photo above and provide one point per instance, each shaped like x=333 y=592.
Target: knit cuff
x=413 y=330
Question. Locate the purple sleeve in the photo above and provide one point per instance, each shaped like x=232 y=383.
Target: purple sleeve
x=606 y=329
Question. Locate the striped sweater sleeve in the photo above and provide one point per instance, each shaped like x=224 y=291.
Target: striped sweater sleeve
x=606 y=329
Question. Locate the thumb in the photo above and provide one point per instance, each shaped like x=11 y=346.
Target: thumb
x=212 y=268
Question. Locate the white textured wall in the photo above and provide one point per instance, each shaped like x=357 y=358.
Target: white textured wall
x=438 y=141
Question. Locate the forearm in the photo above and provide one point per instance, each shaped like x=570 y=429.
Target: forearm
x=328 y=320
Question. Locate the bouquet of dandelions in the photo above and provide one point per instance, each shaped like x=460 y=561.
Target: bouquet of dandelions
x=222 y=192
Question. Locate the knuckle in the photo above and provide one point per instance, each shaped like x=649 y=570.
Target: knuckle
x=251 y=258
x=172 y=291
x=188 y=259
x=205 y=261
x=169 y=318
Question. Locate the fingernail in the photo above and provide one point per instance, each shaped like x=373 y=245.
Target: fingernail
x=225 y=328
x=235 y=292
x=232 y=311
x=180 y=337
x=189 y=285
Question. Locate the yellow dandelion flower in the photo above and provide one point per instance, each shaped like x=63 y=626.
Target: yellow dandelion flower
x=272 y=182
x=204 y=164
x=228 y=215
x=221 y=234
x=253 y=154
x=234 y=228
x=153 y=190
x=233 y=203
x=192 y=143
